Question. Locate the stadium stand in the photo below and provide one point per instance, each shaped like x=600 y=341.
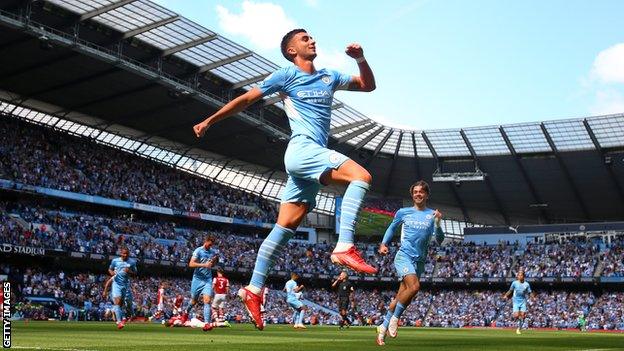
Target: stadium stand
x=38 y=156
x=436 y=308
x=84 y=232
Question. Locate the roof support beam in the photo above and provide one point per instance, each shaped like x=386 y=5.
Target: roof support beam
x=149 y=27
x=177 y=162
x=101 y=10
x=223 y=169
x=536 y=198
x=602 y=153
x=249 y=81
x=566 y=172
x=394 y=158
x=267 y=181
x=349 y=126
x=273 y=100
x=366 y=140
x=458 y=199
x=488 y=182
x=188 y=45
x=379 y=147
x=337 y=106
x=216 y=64
x=354 y=133
x=416 y=159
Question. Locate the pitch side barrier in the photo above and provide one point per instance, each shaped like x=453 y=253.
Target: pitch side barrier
x=7 y=250
x=545 y=228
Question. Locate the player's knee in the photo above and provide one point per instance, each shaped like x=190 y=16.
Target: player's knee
x=413 y=287
x=364 y=176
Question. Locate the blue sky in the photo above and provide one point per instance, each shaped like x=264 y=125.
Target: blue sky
x=449 y=64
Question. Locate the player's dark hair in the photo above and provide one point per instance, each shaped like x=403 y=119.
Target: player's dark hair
x=421 y=183
x=210 y=238
x=220 y=270
x=124 y=248
x=286 y=40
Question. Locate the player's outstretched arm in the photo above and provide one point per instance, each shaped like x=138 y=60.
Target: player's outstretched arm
x=396 y=221
x=509 y=292
x=107 y=286
x=231 y=108
x=111 y=270
x=366 y=80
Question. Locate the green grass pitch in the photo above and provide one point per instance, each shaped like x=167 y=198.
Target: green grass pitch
x=370 y=223
x=64 y=336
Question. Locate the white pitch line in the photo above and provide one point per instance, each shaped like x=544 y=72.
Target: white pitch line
x=48 y=348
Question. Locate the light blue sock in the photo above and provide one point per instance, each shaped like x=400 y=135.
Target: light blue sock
x=207 y=313
x=351 y=203
x=386 y=320
x=398 y=310
x=118 y=313
x=520 y=323
x=270 y=249
x=295 y=317
x=189 y=307
x=300 y=319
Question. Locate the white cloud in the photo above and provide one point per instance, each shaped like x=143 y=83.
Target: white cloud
x=607 y=102
x=263 y=24
x=604 y=82
x=609 y=65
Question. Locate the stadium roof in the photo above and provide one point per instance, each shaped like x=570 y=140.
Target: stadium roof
x=137 y=64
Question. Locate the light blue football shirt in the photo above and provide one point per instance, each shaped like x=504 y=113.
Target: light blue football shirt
x=418 y=227
x=307 y=98
x=202 y=255
x=520 y=290
x=118 y=265
x=290 y=289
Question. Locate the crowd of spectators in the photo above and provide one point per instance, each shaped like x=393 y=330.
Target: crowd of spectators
x=433 y=308
x=559 y=309
x=568 y=259
x=39 y=156
x=608 y=312
x=459 y=308
x=83 y=232
x=467 y=261
x=613 y=259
